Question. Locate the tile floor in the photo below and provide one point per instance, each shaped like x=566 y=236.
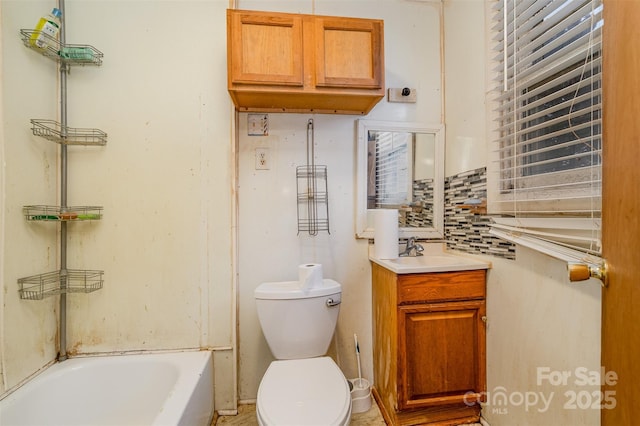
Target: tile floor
x=247 y=417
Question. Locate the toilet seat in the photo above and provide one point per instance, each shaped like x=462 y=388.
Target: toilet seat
x=304 y=392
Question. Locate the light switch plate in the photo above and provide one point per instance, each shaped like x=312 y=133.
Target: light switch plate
x=258 y=124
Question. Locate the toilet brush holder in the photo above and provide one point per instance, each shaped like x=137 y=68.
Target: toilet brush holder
x=360 y=395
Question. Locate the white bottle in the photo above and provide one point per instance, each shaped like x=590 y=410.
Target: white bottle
x=48 y=26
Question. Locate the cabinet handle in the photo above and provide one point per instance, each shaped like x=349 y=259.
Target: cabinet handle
x=484 y=319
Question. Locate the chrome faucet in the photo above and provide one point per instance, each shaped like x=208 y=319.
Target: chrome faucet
x=412 y=246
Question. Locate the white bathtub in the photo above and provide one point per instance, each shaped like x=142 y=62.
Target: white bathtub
x=150 y=389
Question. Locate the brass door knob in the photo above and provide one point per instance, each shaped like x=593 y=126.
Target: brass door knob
x=584 y=271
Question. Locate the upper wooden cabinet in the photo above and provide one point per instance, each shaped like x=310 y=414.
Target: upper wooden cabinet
x=264 y=49
x=348 y=53
x=281 y=62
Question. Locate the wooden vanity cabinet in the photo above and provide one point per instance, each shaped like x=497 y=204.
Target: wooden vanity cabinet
x=429 y=346
x=282 y=62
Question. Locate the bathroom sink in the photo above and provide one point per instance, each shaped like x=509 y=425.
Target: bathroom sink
x=428 y=260
x=432 y=261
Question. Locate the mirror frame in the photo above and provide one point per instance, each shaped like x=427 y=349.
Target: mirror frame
x=366 y=230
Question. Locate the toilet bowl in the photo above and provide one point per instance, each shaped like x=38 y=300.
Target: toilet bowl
x=303 y=387
x=304 y=392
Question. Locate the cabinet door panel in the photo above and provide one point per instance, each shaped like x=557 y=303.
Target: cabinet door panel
x=266 y=49
x=348 y=53
x=441 y=353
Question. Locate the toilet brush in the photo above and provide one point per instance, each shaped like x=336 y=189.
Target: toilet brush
x=361 y=392
x=355 y=338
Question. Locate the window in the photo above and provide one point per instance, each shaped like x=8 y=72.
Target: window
x=547 y=109
x=390 y=154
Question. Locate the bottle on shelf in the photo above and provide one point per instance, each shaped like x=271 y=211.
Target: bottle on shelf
x=46 y=31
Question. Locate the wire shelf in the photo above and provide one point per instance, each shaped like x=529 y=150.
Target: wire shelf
x=315 y=225
x=308 y=172
x=313 y=199
x=59 y=214
x=71 y=54
x=318 y=197
x=55 y=132
x=38 y=287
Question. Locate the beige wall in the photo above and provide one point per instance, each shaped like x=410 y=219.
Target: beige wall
x=464 y=49
x=541 y=325
x=164 y=179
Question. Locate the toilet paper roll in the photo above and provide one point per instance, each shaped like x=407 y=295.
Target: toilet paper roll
x=385 y=222
x=310 y=275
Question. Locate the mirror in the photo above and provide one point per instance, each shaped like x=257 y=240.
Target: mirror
x=401 y=166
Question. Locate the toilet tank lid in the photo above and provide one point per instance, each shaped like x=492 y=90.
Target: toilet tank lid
x=291 y=290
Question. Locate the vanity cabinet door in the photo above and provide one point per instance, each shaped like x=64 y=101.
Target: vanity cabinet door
x=265 y=49
x=348 y=53
x=441 y=353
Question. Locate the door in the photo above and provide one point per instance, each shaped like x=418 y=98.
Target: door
x=621 y=208
x=441 y=354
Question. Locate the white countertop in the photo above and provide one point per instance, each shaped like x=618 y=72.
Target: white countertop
x=434 y=259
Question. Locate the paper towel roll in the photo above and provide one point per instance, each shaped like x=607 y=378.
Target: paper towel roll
x=310 y=275
x=385 y=222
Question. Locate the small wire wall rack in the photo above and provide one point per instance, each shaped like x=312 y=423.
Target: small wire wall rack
x=71 y=54
x=313 y=199
x=313 y=195
x=64 y=135
x=37 y=287
x=57 y=213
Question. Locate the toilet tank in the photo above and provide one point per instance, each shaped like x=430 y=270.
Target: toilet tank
x=298 y=323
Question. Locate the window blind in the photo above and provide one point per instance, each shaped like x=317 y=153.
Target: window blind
x=546 y=110
x=393 y=168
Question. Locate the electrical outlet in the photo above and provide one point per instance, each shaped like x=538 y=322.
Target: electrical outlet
x=263 y=162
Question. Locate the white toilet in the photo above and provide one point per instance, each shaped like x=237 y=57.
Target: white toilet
x=303 y=387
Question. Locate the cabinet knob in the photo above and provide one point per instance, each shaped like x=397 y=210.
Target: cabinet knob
x=484 y=318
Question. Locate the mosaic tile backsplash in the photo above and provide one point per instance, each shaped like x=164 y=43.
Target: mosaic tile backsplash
x=420 y=213
x=464 y=230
